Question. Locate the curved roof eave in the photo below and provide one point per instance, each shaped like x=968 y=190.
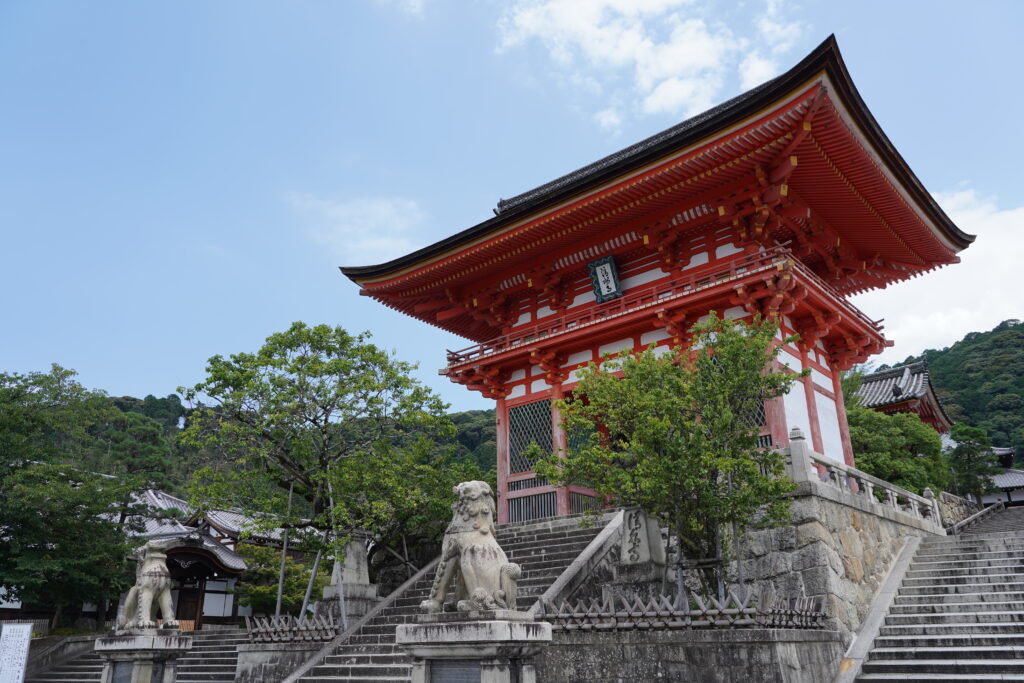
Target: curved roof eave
x=826 y=57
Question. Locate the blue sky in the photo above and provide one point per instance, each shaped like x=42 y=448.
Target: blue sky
x=182 y=179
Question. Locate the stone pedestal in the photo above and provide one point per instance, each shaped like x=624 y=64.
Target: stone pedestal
x=353 y=579
x=474 y=647
x=640 y=568
x=142 y=655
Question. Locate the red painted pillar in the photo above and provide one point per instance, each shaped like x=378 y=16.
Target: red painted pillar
x=501 y=434
x=775 y=416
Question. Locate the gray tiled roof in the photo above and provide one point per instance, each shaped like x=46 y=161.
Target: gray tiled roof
x=895 y=385
x=1009 y=479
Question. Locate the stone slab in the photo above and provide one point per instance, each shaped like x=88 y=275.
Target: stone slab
x=476 y=615
x=129 y=641
x=476 y=632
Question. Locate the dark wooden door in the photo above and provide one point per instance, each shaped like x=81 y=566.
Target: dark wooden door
x=189 y=610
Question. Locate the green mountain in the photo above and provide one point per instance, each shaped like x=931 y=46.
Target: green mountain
x=980 y=381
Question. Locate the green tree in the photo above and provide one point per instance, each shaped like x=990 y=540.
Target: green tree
x=257 y=587
x=48 y=417
x=973 y=462
x=898 y=448
x=65 y=535
x=326 y=411
x=675 y=436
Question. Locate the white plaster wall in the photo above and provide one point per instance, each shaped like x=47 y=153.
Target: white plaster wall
x=517 y=375
x=579 y=357
x=790 y=360
x=616 y=346
x=735 y=312
x=795 y=403
x=517 y=391
x=539 y=385
x=584 y=298
x=727 y=250
x=821 y=379
x=642 y=278
x=828 y=421
x=653 y=336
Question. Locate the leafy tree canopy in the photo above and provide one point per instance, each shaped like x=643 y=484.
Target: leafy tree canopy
x=258 y=585
x=898 y=448
x=675 y=435
x=331 y=414
x=980 y=381
x=973 y=463
x=65 y=538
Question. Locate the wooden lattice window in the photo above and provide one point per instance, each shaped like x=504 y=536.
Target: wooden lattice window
x=528 y=423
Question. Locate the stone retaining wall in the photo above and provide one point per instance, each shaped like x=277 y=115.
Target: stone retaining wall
x=723 y=656
x=836 y=546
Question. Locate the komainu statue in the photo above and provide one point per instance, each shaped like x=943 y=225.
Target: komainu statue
x=471 y=556
x=152 y=582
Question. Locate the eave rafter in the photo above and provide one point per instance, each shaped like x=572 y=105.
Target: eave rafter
x=550 y=362
x=489 y=380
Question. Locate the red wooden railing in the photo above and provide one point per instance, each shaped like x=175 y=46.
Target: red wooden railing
x=655 y=295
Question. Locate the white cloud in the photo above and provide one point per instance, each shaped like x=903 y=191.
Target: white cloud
x=609 y=118
x=413 y=8
x=755 y=69
x=363 y=230
x=939 y=308
x=662 y=55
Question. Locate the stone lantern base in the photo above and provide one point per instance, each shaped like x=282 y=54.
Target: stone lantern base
x=142 y=655
x=496 y=646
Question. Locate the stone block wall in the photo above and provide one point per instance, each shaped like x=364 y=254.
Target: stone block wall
x=713 y=656
x=837 y=547
x=955 y=509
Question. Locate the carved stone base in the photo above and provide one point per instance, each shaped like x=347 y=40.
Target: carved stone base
x=496 y=646
x=142 y=655
x=360 y=598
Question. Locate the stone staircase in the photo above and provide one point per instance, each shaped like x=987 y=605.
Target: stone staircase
x=544 y=549
x=959 y=613
x=211 y=659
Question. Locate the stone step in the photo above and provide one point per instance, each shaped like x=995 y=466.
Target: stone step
x=963 y=653
x=946 y=666
x=929 y=677
x=1007 y=544
x=951 y=640
x=961 y=588
x=944 y=607
x=955 y=618
x=978 y=578
x=1010 y=628
x=961 y=563
x=933 y=598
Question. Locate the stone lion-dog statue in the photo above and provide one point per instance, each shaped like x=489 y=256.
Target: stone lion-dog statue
x=471 y=556
x=152 y=582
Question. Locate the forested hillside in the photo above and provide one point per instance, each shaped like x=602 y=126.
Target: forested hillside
x=980 y=380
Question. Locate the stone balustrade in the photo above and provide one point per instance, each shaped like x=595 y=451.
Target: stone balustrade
x=806 y=465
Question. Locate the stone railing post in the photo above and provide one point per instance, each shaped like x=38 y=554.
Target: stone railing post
x=936 y=513
x=799 y=456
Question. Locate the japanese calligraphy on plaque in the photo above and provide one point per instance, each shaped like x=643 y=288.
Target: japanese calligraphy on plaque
x=605 y=278
x=14 y=642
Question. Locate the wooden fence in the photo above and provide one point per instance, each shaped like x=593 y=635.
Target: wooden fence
x=760 y=610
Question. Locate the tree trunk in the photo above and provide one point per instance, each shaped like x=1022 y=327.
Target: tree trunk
x=56 y=617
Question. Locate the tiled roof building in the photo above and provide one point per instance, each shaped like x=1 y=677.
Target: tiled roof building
x=905 y=389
